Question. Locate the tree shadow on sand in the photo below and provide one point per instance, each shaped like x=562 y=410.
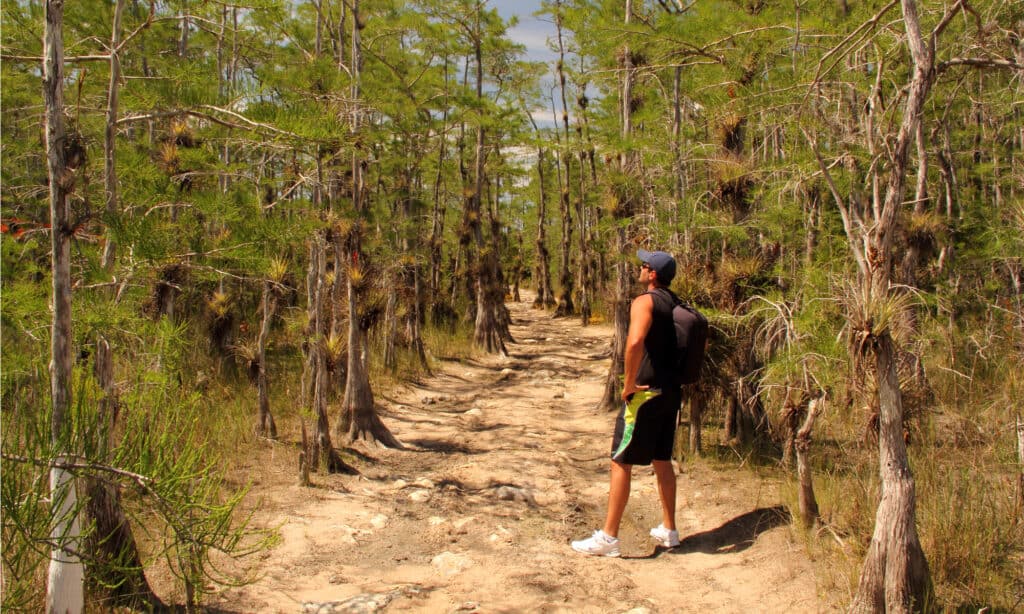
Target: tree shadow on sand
x=734 y=536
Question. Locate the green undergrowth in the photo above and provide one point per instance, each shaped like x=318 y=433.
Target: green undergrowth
x=969 y=517
x=962 y=451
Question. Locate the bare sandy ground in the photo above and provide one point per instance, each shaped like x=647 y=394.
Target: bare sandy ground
x=506 y=463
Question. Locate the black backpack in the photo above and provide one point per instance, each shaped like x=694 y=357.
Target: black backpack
x=691 y=339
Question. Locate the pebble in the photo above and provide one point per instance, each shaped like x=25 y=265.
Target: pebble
x=512 y=493
x=449 y=563
x=360 y=604
x=419 y=496
x=367 y=603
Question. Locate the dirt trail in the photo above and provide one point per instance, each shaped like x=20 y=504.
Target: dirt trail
x=507 y=462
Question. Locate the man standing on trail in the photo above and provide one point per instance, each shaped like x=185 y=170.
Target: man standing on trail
x=645 y=428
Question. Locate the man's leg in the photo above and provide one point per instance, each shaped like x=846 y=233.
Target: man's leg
x=666 y=479
x=618 y=495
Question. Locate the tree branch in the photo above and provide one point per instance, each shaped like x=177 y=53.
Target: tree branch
x=842 y=44
x=138 y=478
x=851 y=232
x=978 y=63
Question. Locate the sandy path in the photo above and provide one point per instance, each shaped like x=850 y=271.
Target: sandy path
x=507 y=462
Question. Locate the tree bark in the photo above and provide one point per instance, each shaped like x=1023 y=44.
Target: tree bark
x=359 y=415
x=611 y=400
x=584 y=263
x=65 y=585
x=265 y=426
x=808 y=503
x=437 y=219
x=895 y=576
x=183 y=29
x=109 y=134
x=566 y=307
x=391 y=324
x=489 y=295
x=542 y=267
x=697 y=402
x=321 y=451
x=592 y=269
x=416 y=317
x=115 y=567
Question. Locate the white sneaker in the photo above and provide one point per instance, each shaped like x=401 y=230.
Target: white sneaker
x=599 y=544
x=664 y=537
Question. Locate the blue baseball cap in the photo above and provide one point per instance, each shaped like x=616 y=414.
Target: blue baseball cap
x=661 y=263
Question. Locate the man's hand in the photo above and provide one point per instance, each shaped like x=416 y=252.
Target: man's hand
x=627 y=392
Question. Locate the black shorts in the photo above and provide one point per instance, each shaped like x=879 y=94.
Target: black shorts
x=646 y=427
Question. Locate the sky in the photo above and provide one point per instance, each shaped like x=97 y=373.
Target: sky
x=534 y=33
x=530 y=31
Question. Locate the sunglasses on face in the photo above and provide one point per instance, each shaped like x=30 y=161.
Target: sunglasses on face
x=644 y=265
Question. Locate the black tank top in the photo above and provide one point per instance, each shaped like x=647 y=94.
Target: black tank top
x=657 y=369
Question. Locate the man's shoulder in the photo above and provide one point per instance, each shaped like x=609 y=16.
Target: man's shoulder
x=644 y=299
x=642 y=305
x=664 y=294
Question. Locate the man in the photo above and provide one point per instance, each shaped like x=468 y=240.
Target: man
x=645 y=428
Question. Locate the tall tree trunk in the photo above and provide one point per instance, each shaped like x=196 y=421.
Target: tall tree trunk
x=895 y=576
x=499 y=284
x=731 y=418
x=542 y=267
x=542 y=258
x=318 y=41
x=65 y=589
x=116 y=567
x=391 y=322
x=359 y=415
x=624 y=272
x=183 y=29
x=308 y=347
x=489 y=296
x=415 y=330
x=321 y=451
x=437 y=219
x=584 y=265
x=109 y=134
x=265 y=425
x=565 y=278
x=812 y=209
x=594 y=274
x=678 y=175
x=698 y=401
x=807 y=501
x=340 y=45
x=337 y=301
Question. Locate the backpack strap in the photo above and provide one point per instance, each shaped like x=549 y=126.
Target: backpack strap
x=667 y=295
